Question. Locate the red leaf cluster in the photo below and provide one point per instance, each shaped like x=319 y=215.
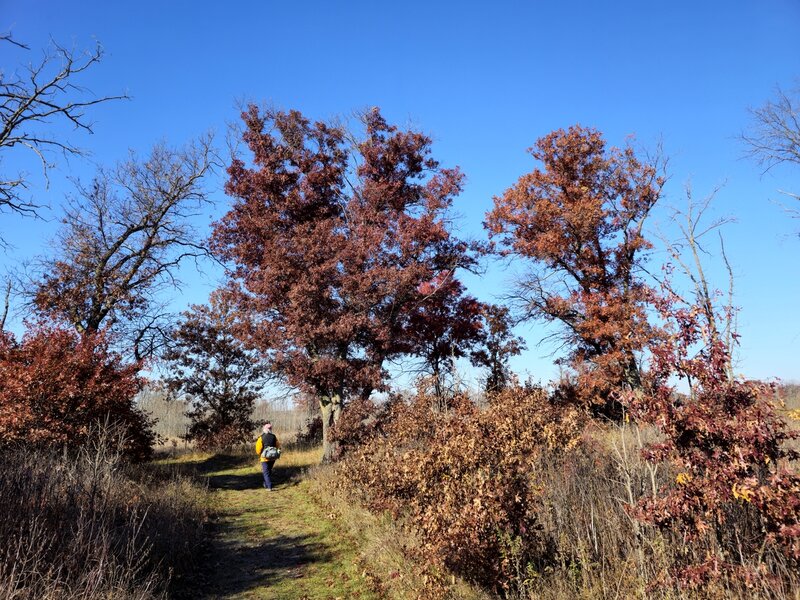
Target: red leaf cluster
x=331 y=245
x=57 y=386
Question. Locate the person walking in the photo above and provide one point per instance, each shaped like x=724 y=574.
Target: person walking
x=267 y=440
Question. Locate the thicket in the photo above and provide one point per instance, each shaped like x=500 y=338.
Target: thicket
x=459 y=476
x=736 y=490
x=57 y=385
x=531 y=499
x=94 y=526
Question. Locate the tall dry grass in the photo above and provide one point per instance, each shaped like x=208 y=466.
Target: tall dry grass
x=89 y=526
x=169 y=416
x=286 y=422
x=604 y=552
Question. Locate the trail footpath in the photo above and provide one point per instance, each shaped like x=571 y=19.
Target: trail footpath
x=279 y=544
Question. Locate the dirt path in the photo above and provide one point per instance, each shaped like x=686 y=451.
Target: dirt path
x=279 y=544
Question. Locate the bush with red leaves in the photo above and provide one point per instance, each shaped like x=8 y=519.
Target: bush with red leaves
x=735 y=491
x=57 y=386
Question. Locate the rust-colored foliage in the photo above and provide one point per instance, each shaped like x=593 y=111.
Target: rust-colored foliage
x=445 y=326
x=57 y=386
x=220 y=378
x=499 y=344
x=734 y=485
x=329 y=245
x=461 y=478
x=579 y=218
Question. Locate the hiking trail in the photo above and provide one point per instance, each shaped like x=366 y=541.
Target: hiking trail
x=279 y=544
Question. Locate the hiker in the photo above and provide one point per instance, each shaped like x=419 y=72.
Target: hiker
x=264 y=441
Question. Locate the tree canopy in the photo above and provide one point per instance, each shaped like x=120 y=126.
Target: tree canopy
x=329 y=244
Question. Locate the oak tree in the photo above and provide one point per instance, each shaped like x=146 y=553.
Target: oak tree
x=121 y=242
x=498 y=345
x=329 y=242
x=578 y=219
x=443 y=328
x=219 y=377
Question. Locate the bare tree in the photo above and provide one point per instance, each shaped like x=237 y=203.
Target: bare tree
x=37 y=96
x=774 y=136
x=122 y=241
x=687 y=252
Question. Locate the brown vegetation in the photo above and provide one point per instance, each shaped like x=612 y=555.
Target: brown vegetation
x=534 y=503
x=461 y=476
x=93 y=527
x=579 y=219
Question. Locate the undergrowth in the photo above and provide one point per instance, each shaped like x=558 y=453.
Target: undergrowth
x=89 y=526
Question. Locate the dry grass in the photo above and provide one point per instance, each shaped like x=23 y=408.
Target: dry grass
x=286 y=423
x=601 y=550
x=171 y=423
x=170 y=420
x=91 y=527
x=790 y=397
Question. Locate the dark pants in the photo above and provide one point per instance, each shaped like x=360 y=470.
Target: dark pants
x=266 y=469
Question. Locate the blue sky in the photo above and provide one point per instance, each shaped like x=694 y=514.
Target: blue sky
x=485 y=80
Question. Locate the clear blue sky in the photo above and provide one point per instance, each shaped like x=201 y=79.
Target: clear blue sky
x=485 y=80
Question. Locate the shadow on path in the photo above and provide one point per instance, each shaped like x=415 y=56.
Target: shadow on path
x=240 y=568
x=250 y=551
x=281 y=476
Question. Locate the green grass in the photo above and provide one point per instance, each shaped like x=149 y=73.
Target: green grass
x=280 y=544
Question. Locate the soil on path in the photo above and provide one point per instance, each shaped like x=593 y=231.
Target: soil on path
x=279 y=544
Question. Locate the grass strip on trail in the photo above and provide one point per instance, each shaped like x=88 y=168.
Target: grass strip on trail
x=279 y=544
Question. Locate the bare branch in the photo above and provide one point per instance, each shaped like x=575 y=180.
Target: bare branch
x=45 y=93
x=686 y=253
x=6 y=304
x=123 y=239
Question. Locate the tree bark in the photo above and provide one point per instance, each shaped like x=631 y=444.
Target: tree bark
x=331 y=407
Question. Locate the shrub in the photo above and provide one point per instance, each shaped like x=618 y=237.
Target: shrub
x=57 y=385
x=734 y=489
x=461 y=477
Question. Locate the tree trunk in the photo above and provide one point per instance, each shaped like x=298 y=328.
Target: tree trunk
x=632 y=376
x=331 y=407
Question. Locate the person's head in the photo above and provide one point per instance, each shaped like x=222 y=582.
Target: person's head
x=267 y=427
